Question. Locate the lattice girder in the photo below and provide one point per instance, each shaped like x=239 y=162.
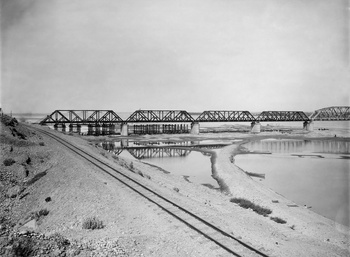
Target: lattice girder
x=93 y=117
x=110 y=116
x=75 y=117
x=225 y=116
x=282 y=116
x=160 y=116
x=82 y=117
x=332 y=113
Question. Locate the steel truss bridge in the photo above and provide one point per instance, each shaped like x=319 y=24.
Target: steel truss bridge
x=110 y=118
x=332 y=113
x=162 y=116
x=82 y=117
x=225 y=116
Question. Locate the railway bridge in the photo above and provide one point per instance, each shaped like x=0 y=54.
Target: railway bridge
x=181 y=121
x=97 y=121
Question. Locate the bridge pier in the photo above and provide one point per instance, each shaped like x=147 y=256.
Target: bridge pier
x=71 y=128
x=255 y=127
x=90 y=130
x=78 y=128
x=104 y=129
x=308 y=125
x=111 y=129
x=97 y=130
x=124 y=143
x=64 y=127
x=124 y=131
x=195 y=128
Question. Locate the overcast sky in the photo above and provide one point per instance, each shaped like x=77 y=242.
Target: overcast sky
x=186 y=54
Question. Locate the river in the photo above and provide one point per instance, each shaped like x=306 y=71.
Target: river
x=312 y=173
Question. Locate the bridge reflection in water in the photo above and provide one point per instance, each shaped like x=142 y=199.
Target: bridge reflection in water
x=146 y=152
x=155 y=152
x=143 y=150
x=296 y=146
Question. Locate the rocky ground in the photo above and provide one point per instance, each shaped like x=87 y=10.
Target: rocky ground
x=48 y=194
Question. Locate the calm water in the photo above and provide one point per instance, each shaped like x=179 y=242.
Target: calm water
x=312 y=173
x=193 y=165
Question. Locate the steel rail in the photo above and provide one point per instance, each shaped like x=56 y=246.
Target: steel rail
x=79 y=152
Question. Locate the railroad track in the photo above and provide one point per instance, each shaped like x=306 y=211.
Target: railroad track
x=223 y=239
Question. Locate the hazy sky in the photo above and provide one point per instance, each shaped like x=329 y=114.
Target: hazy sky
x=186 y=54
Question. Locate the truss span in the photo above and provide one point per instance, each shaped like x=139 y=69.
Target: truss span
x=142 y=153
x=332 y=113
x=160 y=116
x=225 y=116
x=282 y=116
x=83 y=117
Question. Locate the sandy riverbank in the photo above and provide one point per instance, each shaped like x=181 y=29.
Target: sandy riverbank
x=312 y=229
x=135 y=227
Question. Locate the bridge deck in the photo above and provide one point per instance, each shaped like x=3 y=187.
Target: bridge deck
x=93 y=117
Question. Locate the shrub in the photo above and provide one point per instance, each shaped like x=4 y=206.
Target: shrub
x=9 y=162
x=176 y=189
x=92 y=223
x=23 y=246
x=43 y=212
x=36 y=215
x=11 y=122
x=262 y=210
x=131 y=165
x=41 y=143
x=48 y=199
x=60 y=240
x=244 y=203
x=279 y=220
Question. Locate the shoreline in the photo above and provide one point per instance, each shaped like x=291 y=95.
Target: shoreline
x=241 y=185
x=224 y=179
